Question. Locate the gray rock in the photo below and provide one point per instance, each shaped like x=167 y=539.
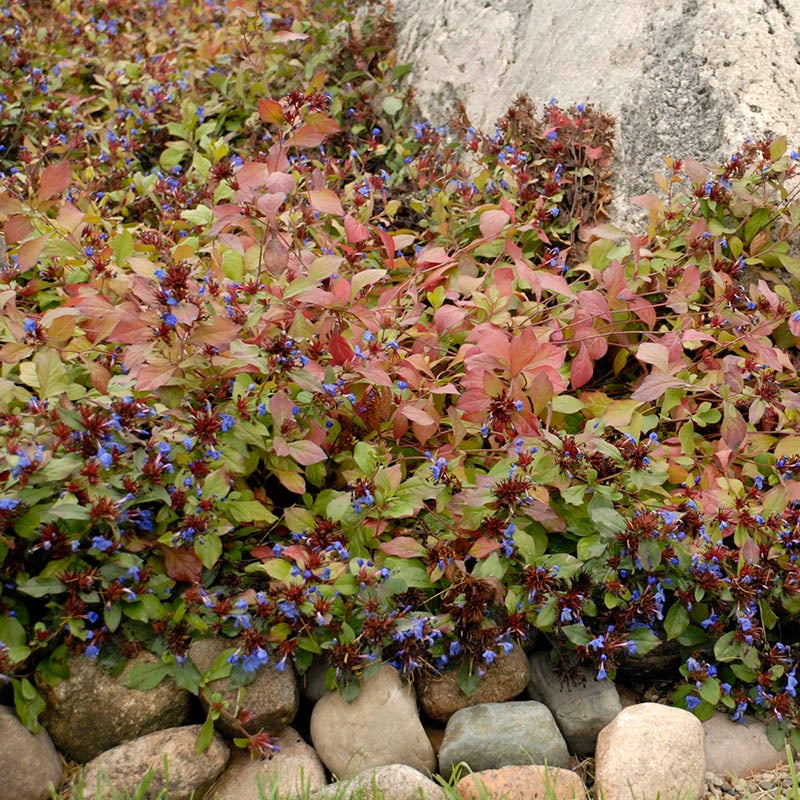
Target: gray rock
x=91 y=711
x=740 y=749
x=293 y=771
x=581 y=711
x=440 y=696
x=395 y=781
x=171 y=756
x=381 y=726
x=269 y=702
x=29 y=764
x=651 y=751
x=502 y=734
x=683 y=79
x=312 y=683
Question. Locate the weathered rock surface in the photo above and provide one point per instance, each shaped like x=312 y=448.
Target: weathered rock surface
x=29 y=764
x=293 y=771
x=502 y=734
x=683 y=79
x=651 y=751
x=270 y=700
x=91 y=711
x=381 y=726
x=312 y=683
x=440 y=696
x=530 y=782
x=169 y=752
x=395 y=781
x=581 y=711
x=739 y=749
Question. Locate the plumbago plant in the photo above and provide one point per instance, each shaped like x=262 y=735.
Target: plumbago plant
x=281 y=365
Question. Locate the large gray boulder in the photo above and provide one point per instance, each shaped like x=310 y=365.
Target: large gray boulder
x=683 y=79
x=496 y=735
x=581 y=710
x=29 y=764
x=92 y=711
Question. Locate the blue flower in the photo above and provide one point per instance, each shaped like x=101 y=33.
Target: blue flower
x=692 y=701
x=8 y=503
x=101 y=543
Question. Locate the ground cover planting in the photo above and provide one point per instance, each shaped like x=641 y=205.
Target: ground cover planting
x=284 y=364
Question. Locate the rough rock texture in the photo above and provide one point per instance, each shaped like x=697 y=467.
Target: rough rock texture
x=440 y=696
x=123 y=768
x=381 y=726
x=293 y=770
x=91 y=711
x=739 y=749
x=581 y=711
x=502 y=734
x=395 y=781
x=684 y=79
x=29 y=763
x=651 y=750
x=271 y=700
x=531 y=782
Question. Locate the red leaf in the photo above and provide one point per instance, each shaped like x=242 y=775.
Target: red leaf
x=325 y=201
x=305 y=136
x=492 y=222
x=322 y=123
x=305 y=452
x=217 y=332
x=340 y=349
x=582 y=368
x=355 y=231
x=653 y=386
x=270 y=111
x=55 y=179
x=263 y=552
x=484 y=546
x=403 y=547
x=734 y=427
x=416 y=414
x=182 y=565
x=151 y=377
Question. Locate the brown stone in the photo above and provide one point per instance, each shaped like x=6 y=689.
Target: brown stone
x=91 y=711
x=270 y=700
x=440 y=696
x=531 y=782
x=390 y=782
x=170 y=754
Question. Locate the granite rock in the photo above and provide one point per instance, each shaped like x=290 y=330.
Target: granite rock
x=529 y=782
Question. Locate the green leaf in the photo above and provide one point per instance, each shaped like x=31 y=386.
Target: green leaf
x=123 y=247
x=42 y=587
x=577 y=634
x=205 y=736
x=391 y=105
x=208 y=547
x=566 y=404
x=145 y=676
x=200 y=215
x=676 y=620
x=646 y=641
x=468 y=678
x=366 y=457
x=776 y=733
x=187 y=677
x=710 y=691
x=28 y=703
x=726 y=649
